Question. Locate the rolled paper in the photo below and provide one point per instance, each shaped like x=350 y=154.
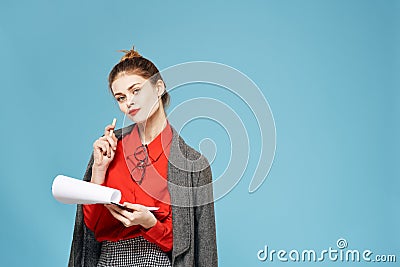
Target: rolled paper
x=69 y=190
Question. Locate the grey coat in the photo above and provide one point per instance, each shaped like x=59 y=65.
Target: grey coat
x=190 y=187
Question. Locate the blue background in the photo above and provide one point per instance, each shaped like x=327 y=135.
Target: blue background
x=329 y=70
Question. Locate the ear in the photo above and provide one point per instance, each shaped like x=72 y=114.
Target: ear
x=160 y=87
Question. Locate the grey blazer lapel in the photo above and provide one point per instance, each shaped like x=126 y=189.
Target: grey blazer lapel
x=179 y=184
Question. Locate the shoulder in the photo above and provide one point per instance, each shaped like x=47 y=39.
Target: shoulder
x=198 y=160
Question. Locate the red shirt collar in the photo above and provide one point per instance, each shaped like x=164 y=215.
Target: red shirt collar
x=160 y=144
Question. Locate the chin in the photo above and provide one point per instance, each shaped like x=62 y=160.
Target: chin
x=136 y=119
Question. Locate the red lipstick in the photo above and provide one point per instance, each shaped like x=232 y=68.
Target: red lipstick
x=133 y=111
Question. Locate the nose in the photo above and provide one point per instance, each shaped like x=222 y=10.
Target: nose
x=129 y=101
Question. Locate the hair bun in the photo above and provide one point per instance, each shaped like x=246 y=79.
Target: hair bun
x=129 y=54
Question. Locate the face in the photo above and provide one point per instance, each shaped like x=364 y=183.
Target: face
x=137 y=97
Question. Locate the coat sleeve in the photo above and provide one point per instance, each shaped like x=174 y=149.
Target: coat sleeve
x=85 y=250
x=204 y=228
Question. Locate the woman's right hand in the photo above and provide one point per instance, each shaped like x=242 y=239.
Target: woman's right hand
x=103 y=153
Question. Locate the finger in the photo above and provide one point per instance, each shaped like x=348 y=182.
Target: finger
x=108 y=150
x=105 y=146
x=101 y=143
x=116 y=212
x=107 y=129
x=103 y=138
x=99 y=150
x=119 y=217
x=111 y=206
x=97 y=147
x=124 y=211
x=136 y=207
x=127 y=221
x=117 y=209
x=112 y=142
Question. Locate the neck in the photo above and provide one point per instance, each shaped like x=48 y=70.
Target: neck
x=153 y=126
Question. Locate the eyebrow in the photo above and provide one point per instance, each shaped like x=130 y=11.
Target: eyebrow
x=130 y=87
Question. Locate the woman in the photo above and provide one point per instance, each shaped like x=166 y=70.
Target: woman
x=153 y=167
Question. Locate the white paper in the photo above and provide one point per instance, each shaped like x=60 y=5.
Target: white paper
x=73 y=191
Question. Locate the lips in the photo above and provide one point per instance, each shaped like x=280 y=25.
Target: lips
x=132 y=112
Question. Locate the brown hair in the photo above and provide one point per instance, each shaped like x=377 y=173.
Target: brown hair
x=133 y=63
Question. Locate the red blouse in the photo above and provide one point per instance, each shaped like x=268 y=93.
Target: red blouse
x=152 y=191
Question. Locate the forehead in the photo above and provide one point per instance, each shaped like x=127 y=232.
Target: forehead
x=124 y=81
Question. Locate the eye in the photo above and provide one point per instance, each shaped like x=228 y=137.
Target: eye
x=136 y=91
x=121 y=98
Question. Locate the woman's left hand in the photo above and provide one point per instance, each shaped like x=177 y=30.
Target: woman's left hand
x=139 y=215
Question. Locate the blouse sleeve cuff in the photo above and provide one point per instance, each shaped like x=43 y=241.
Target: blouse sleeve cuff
x=156 y=231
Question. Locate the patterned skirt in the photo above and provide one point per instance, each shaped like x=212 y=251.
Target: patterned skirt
x=136 y=252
